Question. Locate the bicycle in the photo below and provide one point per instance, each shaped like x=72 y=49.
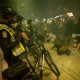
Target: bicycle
x=42 y=54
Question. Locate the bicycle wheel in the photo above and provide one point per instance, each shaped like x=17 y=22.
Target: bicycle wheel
x=51 y=64
x=39 y=67
x=29 y=76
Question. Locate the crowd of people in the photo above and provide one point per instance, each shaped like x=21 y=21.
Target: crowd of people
x=63 y=27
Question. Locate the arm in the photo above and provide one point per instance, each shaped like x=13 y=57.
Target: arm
x=25 y=37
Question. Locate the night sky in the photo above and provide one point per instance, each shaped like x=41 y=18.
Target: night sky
x=42 y=8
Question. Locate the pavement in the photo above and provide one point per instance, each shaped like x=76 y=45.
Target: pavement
x=68 y=65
